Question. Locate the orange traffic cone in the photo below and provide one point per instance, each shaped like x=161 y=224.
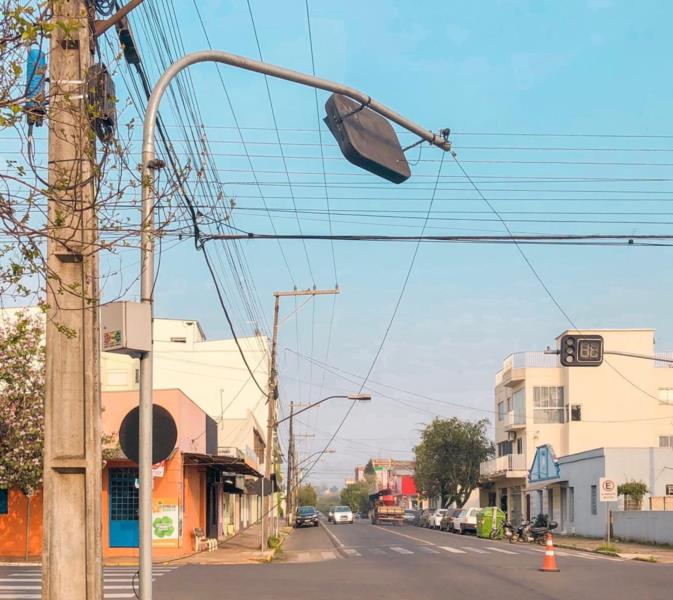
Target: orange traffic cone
x=549 y=564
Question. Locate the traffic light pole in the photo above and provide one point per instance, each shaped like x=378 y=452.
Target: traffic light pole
x=147 y=245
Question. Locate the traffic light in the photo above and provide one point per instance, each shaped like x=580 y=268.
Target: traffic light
x=366 y=138
x=581 y=350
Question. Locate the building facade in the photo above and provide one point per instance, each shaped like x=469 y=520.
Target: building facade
x=625 y=402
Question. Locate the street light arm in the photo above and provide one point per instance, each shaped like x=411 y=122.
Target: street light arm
x=242 y=62
x=298 y=412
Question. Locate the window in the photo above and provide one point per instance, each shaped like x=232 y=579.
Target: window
x=501 y=411
x=4 y=502
x=669 y=489
x=509 y=404
x=519 y=446
x=576 y=412
x=504 y=448
x=137 y=376
x=666 y=441
x=665 y=395
x=519 y=406
x=548 y=405
x=179 y=340
x=594 y=500
x=571 y=504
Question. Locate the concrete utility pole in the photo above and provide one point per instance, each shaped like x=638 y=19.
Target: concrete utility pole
x=290 y=467
x=273 y=393
x=71 y=562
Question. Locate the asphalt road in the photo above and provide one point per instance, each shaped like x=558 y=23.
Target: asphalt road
x=363 y=561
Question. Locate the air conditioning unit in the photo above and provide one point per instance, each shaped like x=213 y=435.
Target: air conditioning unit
x=511 y=435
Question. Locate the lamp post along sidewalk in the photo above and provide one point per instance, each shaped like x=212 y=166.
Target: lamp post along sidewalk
x=366 y=102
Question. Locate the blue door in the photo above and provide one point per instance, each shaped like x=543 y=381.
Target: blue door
x=122 y=484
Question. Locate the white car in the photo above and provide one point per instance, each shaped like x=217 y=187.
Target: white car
x=435 y=520
x=465 y=521
x=342 y=514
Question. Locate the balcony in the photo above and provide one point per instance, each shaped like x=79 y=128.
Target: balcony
x=231 y=451
x=514 y=421
x=513 y=366
x=509 y=466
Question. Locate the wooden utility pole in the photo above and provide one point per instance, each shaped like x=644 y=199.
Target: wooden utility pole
x=273 y=389
x=71 y=562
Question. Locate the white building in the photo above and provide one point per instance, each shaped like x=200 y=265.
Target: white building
x=625 y=402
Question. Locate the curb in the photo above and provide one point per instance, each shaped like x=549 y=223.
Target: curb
x=20 y=564
x=332 y=538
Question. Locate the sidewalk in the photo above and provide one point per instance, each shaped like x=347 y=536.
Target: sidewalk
x=630 y=550
x=238 y=550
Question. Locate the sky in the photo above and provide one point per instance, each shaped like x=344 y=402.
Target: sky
x=559 y=113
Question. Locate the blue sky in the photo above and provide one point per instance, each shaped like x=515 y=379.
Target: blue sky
x=557 y=111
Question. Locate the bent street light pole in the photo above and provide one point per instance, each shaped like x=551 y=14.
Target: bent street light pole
x=147 y=245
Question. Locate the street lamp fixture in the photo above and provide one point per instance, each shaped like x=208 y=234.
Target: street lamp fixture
x=352 y=397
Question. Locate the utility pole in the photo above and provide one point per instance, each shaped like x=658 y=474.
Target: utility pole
x=290 y=467
x=72 y=547
x=273 y=390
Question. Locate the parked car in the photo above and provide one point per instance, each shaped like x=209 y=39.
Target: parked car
x=363 y=515
x=330 y=514
x=466 y=521
x=435 y=520
x=342 y=514
x=447 y=519
x=409 y=516
x=306 y=515
x=424 y=519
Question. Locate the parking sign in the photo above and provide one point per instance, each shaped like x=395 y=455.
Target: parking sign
x=608 y=489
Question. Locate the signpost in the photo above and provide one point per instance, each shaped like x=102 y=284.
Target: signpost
x=607 y=493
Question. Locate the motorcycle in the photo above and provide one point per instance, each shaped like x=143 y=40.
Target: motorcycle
x=534 y=532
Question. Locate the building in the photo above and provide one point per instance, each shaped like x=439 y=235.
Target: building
x=394 y=475
x=213 y=374
x=567 y=489
x=190 y=489
x=625 y=402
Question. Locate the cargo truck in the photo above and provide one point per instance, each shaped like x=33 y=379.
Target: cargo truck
x=386 y=511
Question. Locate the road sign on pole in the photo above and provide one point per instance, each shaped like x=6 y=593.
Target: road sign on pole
x=608 y=490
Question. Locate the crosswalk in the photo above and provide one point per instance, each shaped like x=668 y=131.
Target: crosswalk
x=25 y=583
x=428 y=549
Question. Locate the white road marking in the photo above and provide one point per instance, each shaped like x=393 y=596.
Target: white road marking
x=454 y=550
x=502 y=550
x=352 y=552
x=476 y=550
x=428 y=550
x=304 y=556
x=377 y=551
x=400 y=550
x=329 y=555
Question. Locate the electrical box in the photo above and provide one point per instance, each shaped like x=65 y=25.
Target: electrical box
x=102 y=102
x=126 y=328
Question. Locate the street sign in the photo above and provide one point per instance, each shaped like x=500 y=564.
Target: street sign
x=608 y=490
x=164 y=434
x=581 y=350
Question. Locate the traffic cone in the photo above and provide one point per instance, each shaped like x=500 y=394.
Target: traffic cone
x=549 y=564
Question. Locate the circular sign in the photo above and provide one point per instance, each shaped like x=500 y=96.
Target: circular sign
x=608 y=485
x=164 y=434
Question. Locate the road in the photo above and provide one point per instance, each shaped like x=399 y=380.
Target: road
x=401 y=563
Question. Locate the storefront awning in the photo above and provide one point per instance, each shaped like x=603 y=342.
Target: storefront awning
x=225 y=464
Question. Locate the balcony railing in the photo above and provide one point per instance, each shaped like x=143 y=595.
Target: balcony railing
x=533 y=360
x=502 y=464
x=514 y=418
x=231 y=451
x=661 y=364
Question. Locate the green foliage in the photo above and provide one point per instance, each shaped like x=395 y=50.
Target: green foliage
x=448 y=458
x=307 y=496
x=633 y=489
x=22 y=371
x=356 y=495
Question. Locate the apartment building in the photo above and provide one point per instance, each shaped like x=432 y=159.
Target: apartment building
x=626 y=402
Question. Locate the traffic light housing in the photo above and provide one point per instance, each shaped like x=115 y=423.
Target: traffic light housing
x=581 y=350
x=366 y=138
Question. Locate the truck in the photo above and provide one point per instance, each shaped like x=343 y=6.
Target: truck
x=386 y=511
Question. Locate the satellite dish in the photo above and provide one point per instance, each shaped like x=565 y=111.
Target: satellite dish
x=164 y=434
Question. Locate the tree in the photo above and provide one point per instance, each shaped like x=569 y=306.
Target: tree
x=448 y=458
x=22 y=407
x=307 y=496
x=356 y=496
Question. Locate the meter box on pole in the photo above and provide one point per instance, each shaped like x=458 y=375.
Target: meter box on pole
x=126 y=328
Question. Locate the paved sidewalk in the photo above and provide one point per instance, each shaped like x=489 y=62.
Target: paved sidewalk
x=631 y=550
x=243 y=548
